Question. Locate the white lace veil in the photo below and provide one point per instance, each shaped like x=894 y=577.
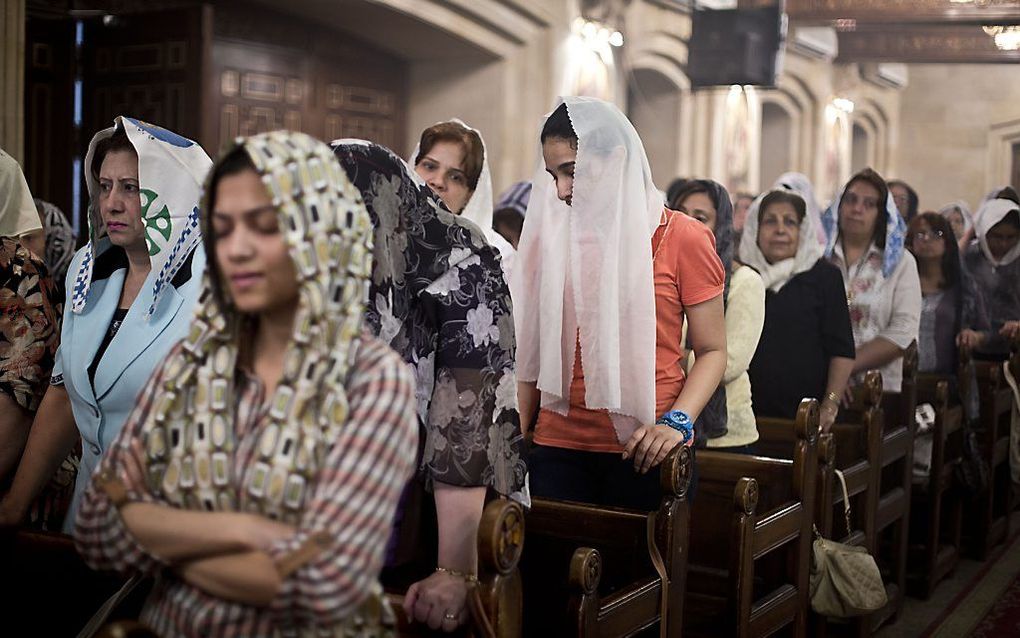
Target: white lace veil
x=587 y=269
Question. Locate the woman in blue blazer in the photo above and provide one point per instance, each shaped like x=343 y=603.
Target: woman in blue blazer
x=130 y=296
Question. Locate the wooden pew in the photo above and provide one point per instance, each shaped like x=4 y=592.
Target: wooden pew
x=936 y=510
x=497 y=609
x=987 y=515
x=754 y=580
x=857 y=437
x=41 y=573
x=587 y=570
x=48 y=573
x=892 y=519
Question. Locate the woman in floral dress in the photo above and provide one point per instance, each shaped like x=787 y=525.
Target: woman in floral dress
x=439 y=299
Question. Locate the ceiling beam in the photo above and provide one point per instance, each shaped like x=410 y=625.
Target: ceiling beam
x=922 y=44
x=830 y=12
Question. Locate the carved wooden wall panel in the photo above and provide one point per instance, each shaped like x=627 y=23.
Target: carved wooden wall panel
x=49 y=109
x=272 y=71
x=147 y=66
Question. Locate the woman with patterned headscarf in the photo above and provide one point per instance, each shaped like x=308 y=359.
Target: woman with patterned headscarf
x=439 y=299
x=260 y=470
x=29 y=319
x=866 y=237
x=130 y=293
x=727 y=422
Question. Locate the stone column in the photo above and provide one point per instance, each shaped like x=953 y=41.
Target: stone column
x=12 y=72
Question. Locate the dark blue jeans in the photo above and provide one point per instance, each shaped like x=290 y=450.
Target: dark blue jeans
x=599 y=478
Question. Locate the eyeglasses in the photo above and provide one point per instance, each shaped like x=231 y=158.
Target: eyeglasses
x=928 y=235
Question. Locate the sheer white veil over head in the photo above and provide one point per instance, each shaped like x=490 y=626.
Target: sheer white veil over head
x=586 y=270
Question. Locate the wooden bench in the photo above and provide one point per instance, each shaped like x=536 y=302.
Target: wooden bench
x=856 y=439
x=936 y=510
x=41 y=573
x=987 y=515
x=587 y=570
x=753 y=581
x=892 y=519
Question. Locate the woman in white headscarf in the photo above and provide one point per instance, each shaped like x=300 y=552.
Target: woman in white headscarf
x=605 y=279
x=807 y=345
x=959 y=216
x=130 y=292
x=29 y=320
x=452 y=159
x=994 y=264
x=867 y=243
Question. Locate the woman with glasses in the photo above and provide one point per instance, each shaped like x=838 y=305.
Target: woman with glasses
x=866 y=242
x=953 y=317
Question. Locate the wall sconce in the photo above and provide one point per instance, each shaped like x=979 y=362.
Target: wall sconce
x=843 y=104
x=596 y=34
x=1006 y=37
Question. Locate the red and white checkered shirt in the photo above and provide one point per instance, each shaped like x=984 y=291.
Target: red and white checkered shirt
x=353 y=500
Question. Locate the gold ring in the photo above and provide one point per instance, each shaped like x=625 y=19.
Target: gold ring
x=450 y=616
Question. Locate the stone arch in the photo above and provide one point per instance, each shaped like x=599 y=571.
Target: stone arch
x=780 y=136
x=861 y=146
x=871 y=119
x=656 y=106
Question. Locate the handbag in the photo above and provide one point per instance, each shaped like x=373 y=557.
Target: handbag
x=845 y=580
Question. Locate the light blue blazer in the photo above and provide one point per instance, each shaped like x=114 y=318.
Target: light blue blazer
x=131 y=357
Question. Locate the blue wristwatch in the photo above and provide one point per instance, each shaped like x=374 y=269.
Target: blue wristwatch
x=679 y=421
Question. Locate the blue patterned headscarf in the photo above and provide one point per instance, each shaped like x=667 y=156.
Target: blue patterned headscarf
x=895 y=231
x=171 y=169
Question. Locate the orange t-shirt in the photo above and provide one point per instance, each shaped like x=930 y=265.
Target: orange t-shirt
x=687 y=271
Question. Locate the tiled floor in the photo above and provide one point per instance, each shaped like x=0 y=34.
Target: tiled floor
x=918 y=614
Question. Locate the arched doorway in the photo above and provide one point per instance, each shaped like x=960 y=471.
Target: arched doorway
x=860 y=149
x=654 y=107
x=777 y=136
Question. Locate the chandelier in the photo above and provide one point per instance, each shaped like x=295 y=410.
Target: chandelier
x=1007 y=38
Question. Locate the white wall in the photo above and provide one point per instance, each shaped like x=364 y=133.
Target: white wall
x=947 y=114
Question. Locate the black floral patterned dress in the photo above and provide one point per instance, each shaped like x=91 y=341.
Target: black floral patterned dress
x=438 y=298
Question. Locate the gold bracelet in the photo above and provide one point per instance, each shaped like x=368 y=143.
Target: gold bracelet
x=832 y=396
x=471 y=578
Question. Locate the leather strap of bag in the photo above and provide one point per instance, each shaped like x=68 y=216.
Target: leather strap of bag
x=99 y=618
x=660 y=568
x=846 y=499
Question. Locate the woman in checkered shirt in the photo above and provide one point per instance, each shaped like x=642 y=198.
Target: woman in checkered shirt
x=259 y=473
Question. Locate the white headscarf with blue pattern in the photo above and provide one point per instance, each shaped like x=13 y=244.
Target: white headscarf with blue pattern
x=171 y=170
x=895 y=231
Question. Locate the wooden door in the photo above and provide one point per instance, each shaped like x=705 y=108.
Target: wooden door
x=51 y=141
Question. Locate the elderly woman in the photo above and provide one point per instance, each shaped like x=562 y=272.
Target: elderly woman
x=807 y=345
x=866 y=243
x=130 y=293
x=261 y=467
